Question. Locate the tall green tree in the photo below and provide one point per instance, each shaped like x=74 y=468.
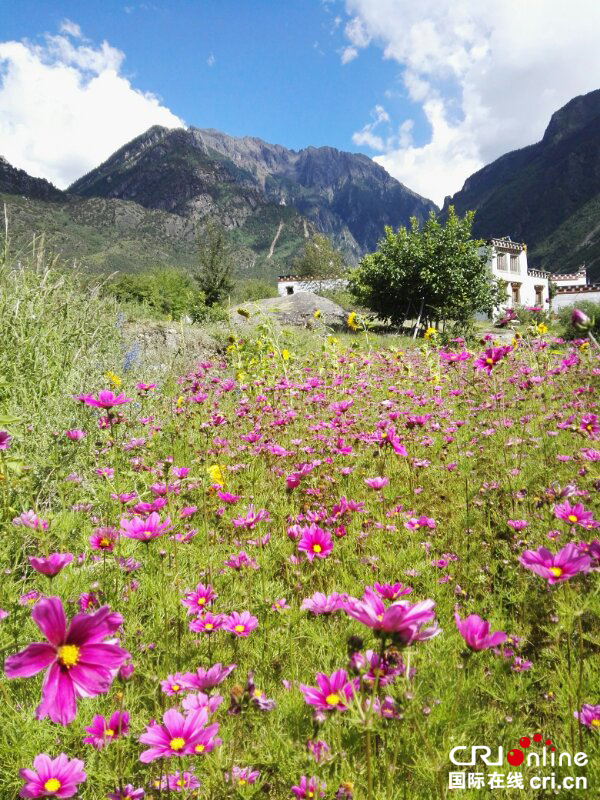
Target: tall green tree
x=437 y=273
x=215 y=264
x=319 y=260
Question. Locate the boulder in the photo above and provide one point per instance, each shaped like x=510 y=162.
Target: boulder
x=296 y=309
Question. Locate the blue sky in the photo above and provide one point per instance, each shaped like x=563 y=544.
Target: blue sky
x=432 y=91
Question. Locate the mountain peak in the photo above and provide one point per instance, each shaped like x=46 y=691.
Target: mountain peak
x=573 y=117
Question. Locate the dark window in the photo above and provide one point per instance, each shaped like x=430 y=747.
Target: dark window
x=289 y=289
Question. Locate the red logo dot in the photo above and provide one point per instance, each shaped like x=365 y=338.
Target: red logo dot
x=515 y=757
x=524 y=741
x=537 y=737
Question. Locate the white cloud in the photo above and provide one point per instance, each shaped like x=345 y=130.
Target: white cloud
x=349 y=54
x=487 y=76
x=66 y=105
x=366 y=136
x=211 y=60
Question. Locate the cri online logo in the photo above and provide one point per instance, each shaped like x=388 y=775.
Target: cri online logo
x=516 y=756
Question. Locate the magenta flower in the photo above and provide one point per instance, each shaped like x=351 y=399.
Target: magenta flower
x=580 y=320
x=144 y=530
x=589 y=716
x=79 y=663
x=517 y=524
x=145 y=387
x=415 y=523
x=556 y=568
x=102 y=732
x=251 y=519
x=197 y=600
x=208 y=678
x=242 y=776
x=29 y=519
x=391 y=591
x=240 y=624
x=390 y=437
x=490 y=358
x=476 y=632
x=174 y=684
x=177 y=736
x=104 y=539
x=52 y=777
x=208 y=623
x=403 y=620
x=574 y=515
x=377 y=483
x=199 y=700
x=589 y=425
x=128 y=792
x=5 y=440
x=315 y=542
x=333 y=692
x=321 y=603
x=105 y=399
x=52 y=565
x=309 y=788
x=179 y=782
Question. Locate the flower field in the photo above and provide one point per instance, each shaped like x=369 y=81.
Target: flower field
x=304 y=574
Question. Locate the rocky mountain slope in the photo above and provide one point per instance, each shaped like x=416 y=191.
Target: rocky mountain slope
x=547 y=194
x=198 y=172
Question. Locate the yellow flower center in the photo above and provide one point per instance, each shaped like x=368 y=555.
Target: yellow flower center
x=489 y=360
x=556 y=571
x=588 y=427
x=68 y=655
x=179 y=782
x=109 y=732
x=177 y=743
x=104 y=543
x=52 y=785
x=200 y=748
x=258 y=693
x=175 y=687
x=239 y=628
x=201 y=601
x=380 y=617
x=242 y=782
x=572 y=518
x=596 y=723
x=317 y=548
x=310 y=794
x=209 y=626
x=332 y=699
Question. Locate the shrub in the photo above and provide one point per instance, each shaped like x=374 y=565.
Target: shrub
x=588 y=307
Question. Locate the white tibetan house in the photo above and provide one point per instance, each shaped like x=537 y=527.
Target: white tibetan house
x=292 y=284
x=572 y=288
x=525 y=286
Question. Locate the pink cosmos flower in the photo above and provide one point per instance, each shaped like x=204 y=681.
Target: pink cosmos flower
x=414 y=523
x=80 y=663
x=589 y=716
x=145 y=387
x=476 y=632
x=321 y=603
x=5 y=440
x=199 y=700
x=241 y=561
x=309 y=788
x=240 y=624
x=251 y=519
x=315 y=542
x=377 y=483
x=102 y=732
x=208 y=678
x=242 y=776
x=174 y=684
x=589 y=425
x=574 y=515
x=144 y=530
x=29 y=519
x=454 y=358
x=391 y=591
x=105 y=399
x=403 y=620
x=333 y=692
x=389 y=436
x=128 y=792
x=104 y=539
x=52 y=565
x=52 y=777
x=280 y=605
x=75 y=435
x=179 y=782
x=177 y=736
x=490 y=358
x=517 y=524
x=208 y=623
x=197 y=600
x=556 y=568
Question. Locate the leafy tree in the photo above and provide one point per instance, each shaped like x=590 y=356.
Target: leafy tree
x=215 y=265
x=167 y=292
x=320 y=260
x=433 y=274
